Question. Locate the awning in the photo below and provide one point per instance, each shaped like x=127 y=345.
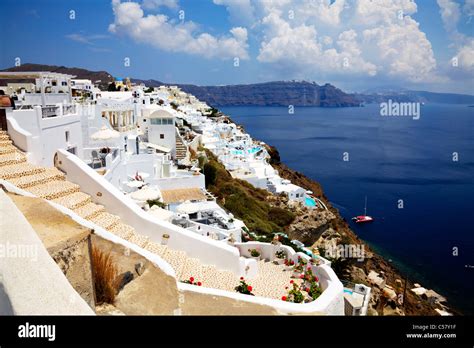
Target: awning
x=183 y=195
x=158 y=147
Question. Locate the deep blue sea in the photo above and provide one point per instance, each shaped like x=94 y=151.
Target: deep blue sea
x=390 y=158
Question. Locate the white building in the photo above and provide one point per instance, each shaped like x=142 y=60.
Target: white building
x=159 y=127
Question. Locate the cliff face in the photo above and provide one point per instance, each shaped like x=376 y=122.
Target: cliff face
x=280 y=93
x=336 y=230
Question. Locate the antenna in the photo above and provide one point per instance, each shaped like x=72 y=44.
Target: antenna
x=365 y=207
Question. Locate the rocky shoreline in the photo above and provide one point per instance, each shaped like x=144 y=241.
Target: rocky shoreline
x=386 y=280
x=392 y=293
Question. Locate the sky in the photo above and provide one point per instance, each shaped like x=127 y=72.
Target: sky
x=354 y=44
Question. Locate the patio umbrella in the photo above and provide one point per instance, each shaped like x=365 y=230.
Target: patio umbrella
x=105 y=134
x=145 y=194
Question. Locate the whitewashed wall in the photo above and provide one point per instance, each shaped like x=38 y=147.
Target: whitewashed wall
x=207 y=250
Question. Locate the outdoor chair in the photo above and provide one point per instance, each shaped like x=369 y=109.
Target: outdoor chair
x=96 y=159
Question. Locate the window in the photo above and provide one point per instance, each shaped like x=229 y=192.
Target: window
x=67 y=136
x=162 y=136
x=64 y=83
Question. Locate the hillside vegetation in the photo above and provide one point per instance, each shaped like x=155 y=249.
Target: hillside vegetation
x=244 y=200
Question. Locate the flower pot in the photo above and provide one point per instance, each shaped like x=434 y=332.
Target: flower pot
x=257 y=258
x=279 y=261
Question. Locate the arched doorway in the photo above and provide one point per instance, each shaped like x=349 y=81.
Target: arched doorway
x=56 y=161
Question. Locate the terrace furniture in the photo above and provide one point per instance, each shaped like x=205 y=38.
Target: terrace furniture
x=96 y=159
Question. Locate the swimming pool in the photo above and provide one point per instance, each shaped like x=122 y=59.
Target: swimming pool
x=255 y=149
x=310 y=202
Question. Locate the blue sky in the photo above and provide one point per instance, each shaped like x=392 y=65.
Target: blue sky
x=354 y=44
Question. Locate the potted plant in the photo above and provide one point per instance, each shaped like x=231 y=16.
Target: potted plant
x=294 y=295
x=314 y=291
x=309 y=277
x=191 y=281
x=289 y=263
x=254 y=253
x=297 y=271
x=244 y=288
x=280 y=257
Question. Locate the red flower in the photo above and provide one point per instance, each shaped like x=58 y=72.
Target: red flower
x=291 y=281
x=283 y=298
x=199 y=283
x=307 y=289
x=191 y=279
x=301 y=276
x=316 y=279
x=249 y=288
x=309 y=268
x=241 y=278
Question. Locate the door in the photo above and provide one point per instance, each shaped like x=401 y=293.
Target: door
x=3 y=119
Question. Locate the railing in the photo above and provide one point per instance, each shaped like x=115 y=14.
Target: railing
x=49 y=111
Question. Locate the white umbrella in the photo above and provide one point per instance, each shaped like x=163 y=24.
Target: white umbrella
x=145 y=194
x=135 y=183
x=105 y=134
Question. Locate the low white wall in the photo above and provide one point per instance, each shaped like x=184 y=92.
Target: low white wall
x=32 y=284
x=331 y=301
x=29 y=130
x=170 y=183
x=207 y=250
x=25 y=141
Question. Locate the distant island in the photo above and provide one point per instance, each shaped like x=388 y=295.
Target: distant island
x=277 y=93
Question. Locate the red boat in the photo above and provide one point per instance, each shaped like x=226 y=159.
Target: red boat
x=363 y=218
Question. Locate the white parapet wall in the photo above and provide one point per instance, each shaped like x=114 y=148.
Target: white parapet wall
x=208 y=251
x=31 y=283
x=331 y=300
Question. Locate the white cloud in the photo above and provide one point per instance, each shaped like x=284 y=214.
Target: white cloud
x=465 y=57
x=241 y=11
x=161 y=32
x=464 y=45
x=363 y=38
x=468 y=8
x=450 y=14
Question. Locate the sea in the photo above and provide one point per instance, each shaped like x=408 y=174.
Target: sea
x=417 y=174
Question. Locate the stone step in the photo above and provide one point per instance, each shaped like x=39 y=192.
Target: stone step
x=7 y=149
x=139 y=240
x=176 y=259
x=47 y=175
x=54 y=189
x=12 y=158
x=156 y=248
x=4 y=142
x=89 y=210
x=19 y=169
x=105 y=220
x=73 y=200
x=122 y=230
